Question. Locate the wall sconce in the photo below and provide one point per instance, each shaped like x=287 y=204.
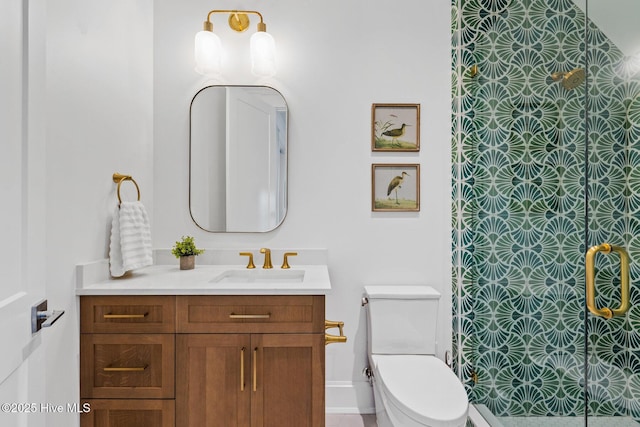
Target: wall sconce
x=208 y=48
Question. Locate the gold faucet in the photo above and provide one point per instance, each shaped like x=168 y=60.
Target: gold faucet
x=267 y=258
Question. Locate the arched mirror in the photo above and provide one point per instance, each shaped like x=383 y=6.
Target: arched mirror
x=238 y=159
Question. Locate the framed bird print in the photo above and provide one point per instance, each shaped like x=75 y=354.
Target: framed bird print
x=395 y=127
x=395 y=187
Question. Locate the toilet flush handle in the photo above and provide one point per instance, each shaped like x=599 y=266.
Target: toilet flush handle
x=448 y=360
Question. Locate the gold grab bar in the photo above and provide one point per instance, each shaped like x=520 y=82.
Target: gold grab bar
x=332 y=339
x=624 y=281
x=119 y=178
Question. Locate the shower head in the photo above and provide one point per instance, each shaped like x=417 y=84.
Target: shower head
x=570 y=80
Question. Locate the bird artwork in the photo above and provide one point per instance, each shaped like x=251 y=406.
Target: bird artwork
x=395 y=133
x=395 y=127
x=395 y=184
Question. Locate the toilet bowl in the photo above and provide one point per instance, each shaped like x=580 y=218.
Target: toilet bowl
x=418 y=390
x=412 y=387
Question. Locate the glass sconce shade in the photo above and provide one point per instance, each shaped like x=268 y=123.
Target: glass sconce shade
x=208 y=52
x=263 y=54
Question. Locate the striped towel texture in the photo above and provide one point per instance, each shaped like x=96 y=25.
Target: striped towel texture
x=130 y=246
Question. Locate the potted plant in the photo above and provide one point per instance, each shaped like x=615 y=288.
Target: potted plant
x=186 y=250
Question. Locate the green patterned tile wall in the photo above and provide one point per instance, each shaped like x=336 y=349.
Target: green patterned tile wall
x=521 y=174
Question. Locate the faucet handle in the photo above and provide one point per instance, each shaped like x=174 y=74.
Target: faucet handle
x=250 y=255
x=285 y=261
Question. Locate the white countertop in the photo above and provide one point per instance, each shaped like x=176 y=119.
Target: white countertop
x=170 y=280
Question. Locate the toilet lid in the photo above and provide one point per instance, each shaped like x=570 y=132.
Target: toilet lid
x=423 y=387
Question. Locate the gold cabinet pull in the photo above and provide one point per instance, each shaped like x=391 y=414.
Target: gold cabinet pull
x=255 y=369
x=124 y=316
x=332 y=339
x=242 y=369
x=625 y=304
x=249 y=316
x=125 y=369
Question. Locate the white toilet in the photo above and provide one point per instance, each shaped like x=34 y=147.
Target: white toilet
x=411 y=386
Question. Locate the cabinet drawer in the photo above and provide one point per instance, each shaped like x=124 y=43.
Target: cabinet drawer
x=251 y=313
x=127 y=366
x=128 y=413
x=127 y=314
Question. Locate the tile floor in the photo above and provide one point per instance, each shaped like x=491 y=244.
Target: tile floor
x=350 y=420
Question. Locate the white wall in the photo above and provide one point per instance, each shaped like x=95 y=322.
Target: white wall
x=99 y=115
x=335 y=58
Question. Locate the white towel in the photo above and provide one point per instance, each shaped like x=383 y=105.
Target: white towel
x=130 y=246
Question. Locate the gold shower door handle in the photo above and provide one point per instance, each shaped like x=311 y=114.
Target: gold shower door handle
x=591 y=285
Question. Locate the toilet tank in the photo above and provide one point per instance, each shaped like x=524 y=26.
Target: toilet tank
x=402 y=319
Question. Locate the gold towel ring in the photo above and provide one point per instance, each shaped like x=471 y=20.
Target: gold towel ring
x=120 y=178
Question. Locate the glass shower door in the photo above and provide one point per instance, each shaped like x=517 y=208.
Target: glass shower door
x=613 y=213
x=548 y=166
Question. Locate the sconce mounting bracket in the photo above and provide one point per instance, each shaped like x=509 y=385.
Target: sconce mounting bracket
x=238 y=21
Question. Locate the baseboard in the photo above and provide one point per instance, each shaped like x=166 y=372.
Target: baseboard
x=348 y=397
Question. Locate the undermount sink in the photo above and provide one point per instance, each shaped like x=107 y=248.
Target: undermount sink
x=259 y=275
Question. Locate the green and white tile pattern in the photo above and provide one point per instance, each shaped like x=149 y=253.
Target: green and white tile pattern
x=519 y=156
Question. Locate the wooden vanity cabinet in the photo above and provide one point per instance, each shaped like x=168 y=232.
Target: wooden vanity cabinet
x=187 y=361
x=267 y=370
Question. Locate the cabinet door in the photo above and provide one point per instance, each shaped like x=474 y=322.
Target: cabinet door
x=289 y=385
x=252 y=314
x=122 y=366
x=213 y=380
x=128 y=413
x=104 y=314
